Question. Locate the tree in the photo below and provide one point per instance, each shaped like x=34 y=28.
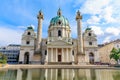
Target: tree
x=115 y=54
x=3 y=59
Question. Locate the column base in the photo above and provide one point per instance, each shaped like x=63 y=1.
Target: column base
x=46 y=63
x=73 y=63
x=82 y=63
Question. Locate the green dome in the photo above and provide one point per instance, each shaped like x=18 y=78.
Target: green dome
x=87 y=29
x=30 y=28
x=59 y=20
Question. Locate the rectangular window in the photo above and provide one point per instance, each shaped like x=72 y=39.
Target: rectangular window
x=90 y=43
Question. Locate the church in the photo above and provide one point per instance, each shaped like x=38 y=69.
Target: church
x=59 y=47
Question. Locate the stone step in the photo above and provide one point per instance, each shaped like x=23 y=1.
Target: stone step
x=58 y=63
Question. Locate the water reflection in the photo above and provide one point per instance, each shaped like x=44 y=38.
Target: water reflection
x=60 y=74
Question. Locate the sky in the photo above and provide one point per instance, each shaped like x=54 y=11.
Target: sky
x=103 y=16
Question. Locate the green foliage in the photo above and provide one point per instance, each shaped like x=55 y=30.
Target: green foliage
x=3 y=59
x=115 y=54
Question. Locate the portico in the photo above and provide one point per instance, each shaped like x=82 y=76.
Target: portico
x=59 y=54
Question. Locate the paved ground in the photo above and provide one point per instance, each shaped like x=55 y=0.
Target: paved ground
x=58 y=66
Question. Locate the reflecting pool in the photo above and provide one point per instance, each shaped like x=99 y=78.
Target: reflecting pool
x=60 y=74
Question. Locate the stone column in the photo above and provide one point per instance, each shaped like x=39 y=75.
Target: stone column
x=39 y=30
x=67 y=54
x=46 y=60
x=51 y=54
x=72 y=56
x=62 y=55
x=56 y=55
x=31 y=56
x=79 y=33
x=87 y=57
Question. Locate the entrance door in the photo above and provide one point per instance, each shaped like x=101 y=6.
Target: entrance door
x=59 y=55
x=91 y=58
x=26 y=58
x=59 y=58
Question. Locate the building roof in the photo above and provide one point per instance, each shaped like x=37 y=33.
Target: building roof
x=13 y=45
x=114 y=41
x=88 y=28
x=30 y=28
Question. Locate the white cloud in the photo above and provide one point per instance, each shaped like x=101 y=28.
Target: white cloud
x=93 y=20
x=103 y=14
x=25 y=27
x=107 y=39
x=107 y=10
x=107 y=14
x=9 y=36
x=98 y=31
x=94 y=6
x=113 y=30
x=22 y=27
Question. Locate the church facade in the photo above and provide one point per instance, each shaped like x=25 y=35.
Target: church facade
x=59 y=47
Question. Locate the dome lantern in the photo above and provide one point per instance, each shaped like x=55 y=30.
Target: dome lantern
x=59 y=13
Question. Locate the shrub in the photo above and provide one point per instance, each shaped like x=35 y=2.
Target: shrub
x=3 y=59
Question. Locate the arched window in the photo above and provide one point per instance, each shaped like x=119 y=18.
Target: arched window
x=72 y=42
x=59 y=33
x=59 y=22
x=28 y=33
x=45 y=52
x=89 y=34
x=72 y=52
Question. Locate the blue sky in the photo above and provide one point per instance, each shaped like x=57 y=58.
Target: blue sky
x=103 y=16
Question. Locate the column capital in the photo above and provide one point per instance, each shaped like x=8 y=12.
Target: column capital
x=40 y=15
x=78 y=16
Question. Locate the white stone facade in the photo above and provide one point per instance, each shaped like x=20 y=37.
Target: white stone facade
x=27 y=46
x=59 y=47
x=90 y=46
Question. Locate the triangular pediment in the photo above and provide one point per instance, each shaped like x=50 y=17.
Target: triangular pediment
x=59 y=43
